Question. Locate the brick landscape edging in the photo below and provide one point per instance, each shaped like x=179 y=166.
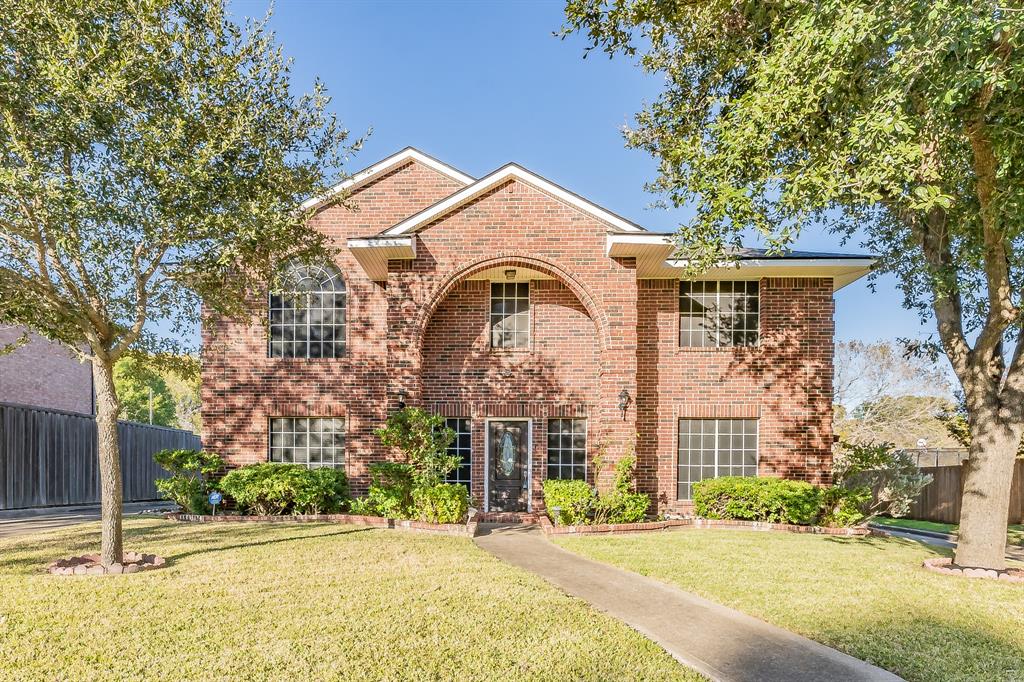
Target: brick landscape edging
x=461 y=529
x=550 y=529
x=945 y=566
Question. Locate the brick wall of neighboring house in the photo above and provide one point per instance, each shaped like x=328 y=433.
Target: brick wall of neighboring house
x=43 y=374
x=422 y=336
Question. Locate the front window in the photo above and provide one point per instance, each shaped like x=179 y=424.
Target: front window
x=307 y=319
x=710 y=448
x=718 y=314
x=510 y=315
x=462 y=448
x=567 y=448
x=312 y=441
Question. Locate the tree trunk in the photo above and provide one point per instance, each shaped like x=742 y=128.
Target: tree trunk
x=111 y=493
x=987 y=473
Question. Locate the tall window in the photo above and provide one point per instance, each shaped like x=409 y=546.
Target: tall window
x=716 y=314
x=307 y=320
x=567 y=448
x=510 y=315
x=462 y=448
x=315 y=442
x=709 y=448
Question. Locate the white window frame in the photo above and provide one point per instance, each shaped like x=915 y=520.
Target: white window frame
x=719 y=315
x=343 y=466
x=469 y=422
x=491 y=316
x=586 y=446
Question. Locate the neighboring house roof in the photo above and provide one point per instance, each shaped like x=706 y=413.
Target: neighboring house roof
x=384 y=166
x=508 y=172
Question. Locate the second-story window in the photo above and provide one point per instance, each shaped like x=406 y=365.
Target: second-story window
x=307 y=318
x=510 y=315
x=717 y=314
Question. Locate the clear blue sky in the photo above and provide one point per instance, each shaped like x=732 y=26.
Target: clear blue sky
x=478 y=84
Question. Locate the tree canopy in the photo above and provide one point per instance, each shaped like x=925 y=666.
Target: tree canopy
x=895 y=121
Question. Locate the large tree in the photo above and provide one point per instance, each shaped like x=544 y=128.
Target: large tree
x=897 y=120
x=153 y=156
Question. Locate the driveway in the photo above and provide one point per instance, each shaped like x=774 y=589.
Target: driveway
x=23 y=521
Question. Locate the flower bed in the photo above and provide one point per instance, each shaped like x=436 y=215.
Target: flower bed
x=550 y=529
x=463 y=529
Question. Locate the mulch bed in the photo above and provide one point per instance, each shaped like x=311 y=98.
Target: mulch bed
x=945 y=566
x=89 y=564
x=464 y=529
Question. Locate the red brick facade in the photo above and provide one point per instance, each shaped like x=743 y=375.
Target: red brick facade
x=596 y=330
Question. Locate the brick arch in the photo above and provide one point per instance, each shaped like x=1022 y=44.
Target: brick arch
x=546 y=266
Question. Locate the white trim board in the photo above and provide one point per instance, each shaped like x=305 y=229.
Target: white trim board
x=383 y=166
x=507 y=172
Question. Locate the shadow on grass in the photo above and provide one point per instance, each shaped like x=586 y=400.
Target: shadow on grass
x=263 y=543
x=30 y=554
x=883 y=543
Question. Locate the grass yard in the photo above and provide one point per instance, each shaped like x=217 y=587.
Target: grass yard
x=1014 y=534
x=275 y=602
x=868 y=596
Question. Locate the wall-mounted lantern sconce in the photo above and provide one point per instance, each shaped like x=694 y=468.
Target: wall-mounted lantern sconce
x=400 y=394
x=510 y=273
x=624 y=401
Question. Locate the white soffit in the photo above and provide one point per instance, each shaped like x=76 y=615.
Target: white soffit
x=383 y=166
x=373 y=253
x=510 y=172
x=653 y=253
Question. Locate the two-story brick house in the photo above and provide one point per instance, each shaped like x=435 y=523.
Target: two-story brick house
x=545 y=328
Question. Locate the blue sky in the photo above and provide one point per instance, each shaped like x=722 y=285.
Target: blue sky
x=477 y=84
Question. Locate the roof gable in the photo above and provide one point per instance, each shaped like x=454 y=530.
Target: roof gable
x=508 y=172
x=384 y=166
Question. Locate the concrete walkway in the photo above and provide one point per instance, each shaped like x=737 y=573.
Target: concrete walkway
x=24 y=521
x=717 y=641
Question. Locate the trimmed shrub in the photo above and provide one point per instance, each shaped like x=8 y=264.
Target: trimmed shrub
x=574 y=500
x=190 y=480
x=620 y=507
x=442 y=503
x=274 y=488
x=891 y=475
x=775 y=500
x=390 y=493
x=844 y=507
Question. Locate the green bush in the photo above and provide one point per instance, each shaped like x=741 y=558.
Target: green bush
x=390 y=494
x=775 y=500
x=574 y=500
x=844 y=507
x=190 y=481
x=423 y=440
x=442 y=503
x=891 y=475
x=622 y=507
x=274 y=488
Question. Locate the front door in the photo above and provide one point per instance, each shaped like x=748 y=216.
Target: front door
x=507 y=465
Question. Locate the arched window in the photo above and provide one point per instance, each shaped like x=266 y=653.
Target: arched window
x=307 y=318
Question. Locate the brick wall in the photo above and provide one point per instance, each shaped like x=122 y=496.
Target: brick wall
x=597 y=330
x=785 y=382
x=43 y=374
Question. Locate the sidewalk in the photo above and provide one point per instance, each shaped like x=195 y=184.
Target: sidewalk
x=16 y=522
x=717 y=641
x=930 y=537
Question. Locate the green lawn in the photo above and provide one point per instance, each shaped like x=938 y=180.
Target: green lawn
x=275 y=602
x=868 y=596
x=1014 y=534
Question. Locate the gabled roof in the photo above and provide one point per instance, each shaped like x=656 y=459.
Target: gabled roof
x=507 y=172
x=384 y=166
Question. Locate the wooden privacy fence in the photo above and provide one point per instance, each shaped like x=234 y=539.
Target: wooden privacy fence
x=48 y=457
x=940 y=500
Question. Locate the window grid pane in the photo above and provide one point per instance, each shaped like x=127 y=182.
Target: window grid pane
x=710 y=448
x=313 y=442
x=510 y=315
x=567 y=448
x=308 y=320
x=462 y=447
x=715 y=314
